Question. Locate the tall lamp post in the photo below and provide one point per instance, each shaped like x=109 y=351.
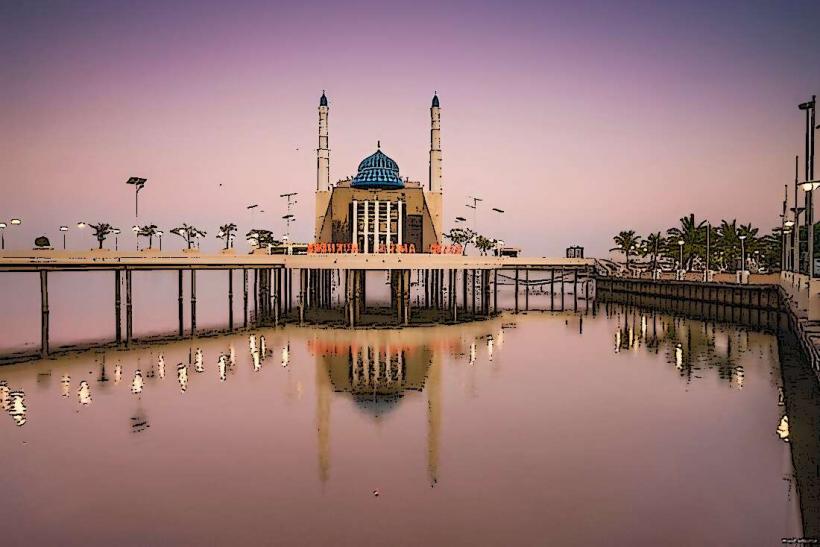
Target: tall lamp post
x=139 y=184
x=116 y=232
x=742 y=257
x=810 y=184
x=474 y=207
x=498 y=224
x=136 y=230
x=160 y=233
x=680 y=269
x=64 y=229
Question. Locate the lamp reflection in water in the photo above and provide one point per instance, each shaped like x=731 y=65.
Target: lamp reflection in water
x=199 y=365
x=65 y=385
x=490 y=343
x=117 y=373
x=4 y=395
x=17 y=406
x=137 y=383
x=161 y=366
x=84 y=393
x=783 y=429
x=286 y=355
x=182 y=376
x=222 y=362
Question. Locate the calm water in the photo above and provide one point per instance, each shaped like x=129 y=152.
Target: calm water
x=619 y=428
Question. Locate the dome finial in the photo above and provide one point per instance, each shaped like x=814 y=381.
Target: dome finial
x=378 y=145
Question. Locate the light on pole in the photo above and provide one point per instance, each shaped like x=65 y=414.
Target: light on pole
x=116 y=232
x=742 y=256
x=810 y=184
x=136 y=230
x=474 y=207
x=159 y=235
x=680 y=244
x=64 y=229
x=139 y=184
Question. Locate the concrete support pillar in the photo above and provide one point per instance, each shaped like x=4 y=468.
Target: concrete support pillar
x=485 y=283
x=563 y=282
x=244 y=296
x=516 y=290
x=277 y=295
x=255 y=295
x=527 y=289
x=180 y=305
x=495 y=291
x=406 y=296
x=302 y=294
x=230 y=299
x=118 y=306
x=552 y=289
x=472 y=289
x=193 y=302
x=451 y=291
x=129 y=318
x=464 y=290
x=44 y=348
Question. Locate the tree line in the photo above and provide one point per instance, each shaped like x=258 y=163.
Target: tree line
x=685 y=246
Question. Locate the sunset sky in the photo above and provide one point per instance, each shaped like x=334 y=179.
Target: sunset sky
x=579 y=119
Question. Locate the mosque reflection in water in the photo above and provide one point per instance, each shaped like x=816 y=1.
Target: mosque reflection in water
x=377 y=369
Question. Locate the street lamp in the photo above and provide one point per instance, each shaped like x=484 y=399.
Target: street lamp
x=474 y=207
x=136 y=230
x=159 y=235
x=680 y=244
x=810 y=184
x=742 y=256
x=139 y=184
x=116 y=232
x=64 y=229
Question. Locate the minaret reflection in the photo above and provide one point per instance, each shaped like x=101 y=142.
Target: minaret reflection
x=117 y=373
x=434 y=415
x=161 y=366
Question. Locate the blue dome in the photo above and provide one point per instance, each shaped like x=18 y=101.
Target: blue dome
x=378 y=171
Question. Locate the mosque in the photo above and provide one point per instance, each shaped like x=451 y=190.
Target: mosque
x=377 y=211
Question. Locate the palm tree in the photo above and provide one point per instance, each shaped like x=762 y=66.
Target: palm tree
x=226 y=232
x=654 y=245
x=693 y=236
x=729 y=242
x=461 y=236
x=149 y=231
x=101 y=231
x=261 y=238
x=188 y=233
x=628 y=242
x=484 y=244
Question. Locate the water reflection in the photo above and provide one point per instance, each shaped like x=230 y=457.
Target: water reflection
x=65 y=385
x=137 y=383
x=17 y=407
x=691 y=345
x=84 y=393
x=182 y=376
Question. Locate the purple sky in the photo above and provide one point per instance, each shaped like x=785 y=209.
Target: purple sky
x=579 y=119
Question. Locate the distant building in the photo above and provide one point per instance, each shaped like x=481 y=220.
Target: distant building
x=377 y=211
x=575 y=252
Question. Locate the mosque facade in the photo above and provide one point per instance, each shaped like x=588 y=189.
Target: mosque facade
x=378 y=211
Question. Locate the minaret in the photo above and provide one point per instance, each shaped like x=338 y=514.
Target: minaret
x=435 y=194
x=322 y=168
x=435 y=146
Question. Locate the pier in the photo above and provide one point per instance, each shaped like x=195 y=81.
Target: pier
x=320 y=288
